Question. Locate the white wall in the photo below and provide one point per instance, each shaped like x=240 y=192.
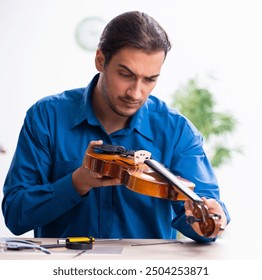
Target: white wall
x=39 y=56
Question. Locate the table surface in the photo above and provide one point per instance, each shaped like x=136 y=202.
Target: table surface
x=148 y=249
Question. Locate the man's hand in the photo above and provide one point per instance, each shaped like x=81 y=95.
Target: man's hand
x=213 y=208
x=85 y=179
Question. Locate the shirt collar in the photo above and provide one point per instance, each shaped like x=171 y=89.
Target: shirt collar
x=83 y=110
x=140 y=121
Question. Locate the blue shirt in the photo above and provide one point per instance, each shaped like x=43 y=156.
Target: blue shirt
x=38 y=191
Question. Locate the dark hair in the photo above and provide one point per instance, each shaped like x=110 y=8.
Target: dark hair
x=133 y=29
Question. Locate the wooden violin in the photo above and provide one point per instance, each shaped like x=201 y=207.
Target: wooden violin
x=146 y=176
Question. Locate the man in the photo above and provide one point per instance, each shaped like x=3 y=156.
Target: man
x=48 y=187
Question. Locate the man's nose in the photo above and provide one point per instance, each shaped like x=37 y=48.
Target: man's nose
x=135 y=91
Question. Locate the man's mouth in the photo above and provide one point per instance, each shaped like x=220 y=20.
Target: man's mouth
x=131 y=103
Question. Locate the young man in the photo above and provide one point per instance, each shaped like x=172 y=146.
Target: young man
x=49 y=189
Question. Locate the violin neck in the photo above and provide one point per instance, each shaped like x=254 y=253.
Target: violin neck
x=173 y=180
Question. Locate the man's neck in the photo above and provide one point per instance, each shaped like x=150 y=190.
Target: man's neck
x=109 y=119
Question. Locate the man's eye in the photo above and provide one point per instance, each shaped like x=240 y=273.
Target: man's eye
x=125 y=75
x=150 y=80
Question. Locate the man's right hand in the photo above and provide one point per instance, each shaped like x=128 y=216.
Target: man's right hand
x=85 y=179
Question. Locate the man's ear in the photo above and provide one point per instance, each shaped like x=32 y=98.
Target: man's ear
x=99 y=60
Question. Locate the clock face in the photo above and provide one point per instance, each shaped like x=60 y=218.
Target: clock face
x=88 y=32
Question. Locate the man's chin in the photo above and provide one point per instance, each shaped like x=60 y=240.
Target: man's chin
x=127 y=113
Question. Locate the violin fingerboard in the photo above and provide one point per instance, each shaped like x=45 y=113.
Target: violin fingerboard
x=172 y=179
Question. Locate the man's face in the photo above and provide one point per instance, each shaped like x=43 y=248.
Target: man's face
x=128 y=79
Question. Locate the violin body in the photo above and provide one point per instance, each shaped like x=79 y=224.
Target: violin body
x=136 y=177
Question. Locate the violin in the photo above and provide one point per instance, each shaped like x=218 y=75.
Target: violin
x=139 y=173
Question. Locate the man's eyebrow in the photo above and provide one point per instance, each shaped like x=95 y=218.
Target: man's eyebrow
x=131 y=72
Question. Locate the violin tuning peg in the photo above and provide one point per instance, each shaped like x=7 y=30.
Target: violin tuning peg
x=191 y=219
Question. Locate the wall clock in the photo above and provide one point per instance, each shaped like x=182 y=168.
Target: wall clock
x=88 y=32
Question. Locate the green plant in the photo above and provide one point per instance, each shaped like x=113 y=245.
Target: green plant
x=198 y=105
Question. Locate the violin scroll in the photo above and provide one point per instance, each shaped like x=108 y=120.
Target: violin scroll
x=208 y=223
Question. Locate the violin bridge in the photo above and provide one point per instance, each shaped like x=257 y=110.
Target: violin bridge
x=141 y=155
